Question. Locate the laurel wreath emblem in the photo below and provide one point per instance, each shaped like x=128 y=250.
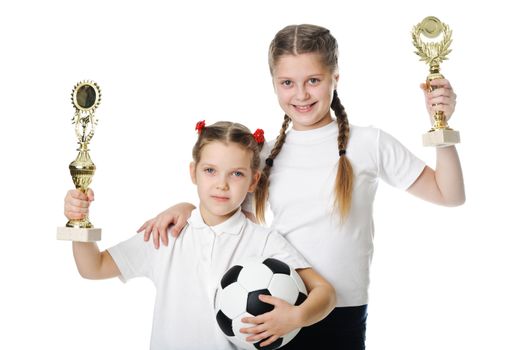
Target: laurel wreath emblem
x=84 y=119
x=435 y=52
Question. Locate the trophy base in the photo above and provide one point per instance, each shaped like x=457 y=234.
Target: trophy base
x=441 y=138
x=78 y=234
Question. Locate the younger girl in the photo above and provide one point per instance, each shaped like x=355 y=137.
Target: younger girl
x=320 y=178
x=186 y=274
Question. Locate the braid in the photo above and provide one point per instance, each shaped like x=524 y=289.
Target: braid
x=344 y=180
x=281 y=138
x=262 y=190
x=342 y=120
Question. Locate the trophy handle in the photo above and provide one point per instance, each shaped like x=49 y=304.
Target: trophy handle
x=440 y=122
x=82 y=170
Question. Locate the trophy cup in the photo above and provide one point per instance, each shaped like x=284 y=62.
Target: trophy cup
x=433 y=53
x=86 y=96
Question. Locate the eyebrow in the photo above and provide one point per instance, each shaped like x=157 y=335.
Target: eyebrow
x=215 y=166
x=308 y=77
x=241 y=168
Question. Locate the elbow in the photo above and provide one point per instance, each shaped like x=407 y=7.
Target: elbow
x=88 y=274
x=455 y=202
x=333 y=301
x=332 y=298
x=460 y=202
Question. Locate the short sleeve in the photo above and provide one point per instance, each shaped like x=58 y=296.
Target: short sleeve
x=396 y=164
x=133 y=257
x=278 y=247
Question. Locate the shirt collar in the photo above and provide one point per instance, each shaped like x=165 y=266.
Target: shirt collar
x=232 y=225
x=313 y=135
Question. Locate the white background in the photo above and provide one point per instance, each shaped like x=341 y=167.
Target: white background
x=442 y=278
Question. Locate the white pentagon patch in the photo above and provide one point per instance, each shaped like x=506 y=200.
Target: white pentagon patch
x=254 y=276
x=283 y=287
x=233 y=300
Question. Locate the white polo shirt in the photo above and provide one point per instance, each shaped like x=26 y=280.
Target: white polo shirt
x=187 y=272
x=301 y=199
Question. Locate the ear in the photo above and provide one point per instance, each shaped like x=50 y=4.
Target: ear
x=336 y=80
x=254 y=182
x=192 y=168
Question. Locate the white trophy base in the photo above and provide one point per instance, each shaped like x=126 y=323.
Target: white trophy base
x=441 y=138
x=78 y=234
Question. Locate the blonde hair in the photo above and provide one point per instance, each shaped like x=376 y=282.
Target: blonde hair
x=228 y=132
x=297 y=40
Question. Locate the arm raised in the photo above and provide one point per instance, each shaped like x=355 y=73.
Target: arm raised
x=91 y=263
x=445 y=185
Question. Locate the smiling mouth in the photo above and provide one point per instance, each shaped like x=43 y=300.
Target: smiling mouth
x=304 y=108
x=220 y=198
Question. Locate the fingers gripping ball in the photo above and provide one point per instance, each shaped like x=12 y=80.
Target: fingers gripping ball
x=237 y=297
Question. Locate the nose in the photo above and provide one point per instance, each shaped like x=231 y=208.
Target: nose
x=301 y=93
x=222 y=184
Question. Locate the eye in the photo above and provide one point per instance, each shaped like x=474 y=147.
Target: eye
x=287 y=83
x=314 y=81
x=209 y=171
x=238 y=174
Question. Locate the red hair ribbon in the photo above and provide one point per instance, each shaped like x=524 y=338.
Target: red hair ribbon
x=200 y=125
x=259 y=136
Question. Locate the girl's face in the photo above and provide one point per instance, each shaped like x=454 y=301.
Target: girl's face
x=304 y=87
x=223 y=176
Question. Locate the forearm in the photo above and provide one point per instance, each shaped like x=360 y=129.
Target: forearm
x=317 y=306
x=182 y=206
x=320 y=300
x=91 y=263
x=449 y=176
x=285 y=317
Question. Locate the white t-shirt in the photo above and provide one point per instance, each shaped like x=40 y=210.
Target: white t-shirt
x=187 y=272
x=301 y=199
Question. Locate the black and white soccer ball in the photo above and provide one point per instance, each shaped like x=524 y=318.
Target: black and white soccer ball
x=237 y=297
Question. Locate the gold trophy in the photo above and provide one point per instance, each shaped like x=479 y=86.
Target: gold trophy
x=86 y=97
x=433 y=53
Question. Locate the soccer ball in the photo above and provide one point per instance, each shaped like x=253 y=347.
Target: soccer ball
x=237 y=297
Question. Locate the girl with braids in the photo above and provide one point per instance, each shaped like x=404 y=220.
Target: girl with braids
x=225 y=168
x=320 y=178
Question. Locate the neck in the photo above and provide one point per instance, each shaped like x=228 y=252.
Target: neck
x=212 y=219
x=319 y=124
